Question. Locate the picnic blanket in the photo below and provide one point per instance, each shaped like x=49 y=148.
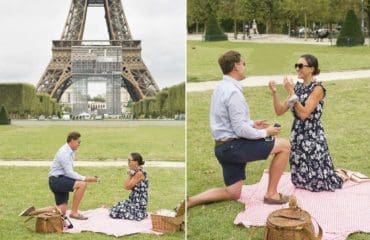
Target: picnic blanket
x=99 y=221
x=339 y=213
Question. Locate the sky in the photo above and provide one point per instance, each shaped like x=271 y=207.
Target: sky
x=28 y=28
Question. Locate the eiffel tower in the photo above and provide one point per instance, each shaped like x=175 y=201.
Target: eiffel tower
x=133 y=73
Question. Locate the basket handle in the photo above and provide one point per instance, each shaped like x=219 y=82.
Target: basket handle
x=175 y=221
x=311 y=235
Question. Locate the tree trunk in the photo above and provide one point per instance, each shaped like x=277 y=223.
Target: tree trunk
x=235 y=30
x=368 y=19
x=305 y=26
x=243 y=30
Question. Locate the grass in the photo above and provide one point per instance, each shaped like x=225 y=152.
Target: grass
x=346 y=123
x=98 y=142
x=28 y=186
x=270 y=58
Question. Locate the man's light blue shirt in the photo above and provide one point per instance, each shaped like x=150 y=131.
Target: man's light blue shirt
x=63 y=164
x=229 y=115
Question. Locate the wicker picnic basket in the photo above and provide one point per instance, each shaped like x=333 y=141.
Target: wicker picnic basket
x=49 y=223
x=163 y=223
x=48 y=220
x=291 y=223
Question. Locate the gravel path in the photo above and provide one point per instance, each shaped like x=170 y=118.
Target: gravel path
x=263 y=80
x=161 y=164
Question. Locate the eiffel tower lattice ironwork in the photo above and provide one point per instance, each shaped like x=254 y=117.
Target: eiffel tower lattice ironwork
x=135 y=76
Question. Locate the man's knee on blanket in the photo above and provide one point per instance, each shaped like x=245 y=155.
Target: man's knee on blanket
x=235 y=190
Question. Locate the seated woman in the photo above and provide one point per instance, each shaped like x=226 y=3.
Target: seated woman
x=135 y=207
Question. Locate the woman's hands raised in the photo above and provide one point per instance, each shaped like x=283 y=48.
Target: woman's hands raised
x=288 y=85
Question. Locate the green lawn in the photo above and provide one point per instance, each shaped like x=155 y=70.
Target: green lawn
x=24 y=186
x=98 y=142
x=269 y=59
x=346 y=122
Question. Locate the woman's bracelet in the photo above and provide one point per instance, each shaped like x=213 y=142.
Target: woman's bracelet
x=292 y=100
x=131 y=172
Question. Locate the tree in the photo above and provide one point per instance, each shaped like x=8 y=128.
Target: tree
x=350 y=34
x=368 y=18
x=198 y=11
x=232 y=9
x=196 y=14
x=98 y=98
x=272 y=13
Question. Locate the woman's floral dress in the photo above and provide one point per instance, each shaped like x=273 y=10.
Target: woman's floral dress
x=311 y=165
x=135 y=207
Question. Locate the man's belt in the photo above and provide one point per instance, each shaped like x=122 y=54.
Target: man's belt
x=218 y=143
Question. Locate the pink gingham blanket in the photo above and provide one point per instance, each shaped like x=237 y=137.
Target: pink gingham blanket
x=339 y=213
x=100 y=222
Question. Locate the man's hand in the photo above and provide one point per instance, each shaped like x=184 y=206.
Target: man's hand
x=260 y=124
x=91 y=179
x=273 y=131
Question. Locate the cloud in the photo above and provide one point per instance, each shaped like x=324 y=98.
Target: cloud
x=28 y=28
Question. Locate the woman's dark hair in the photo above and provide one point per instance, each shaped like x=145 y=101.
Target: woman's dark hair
x=312 y=62
x=138 y=158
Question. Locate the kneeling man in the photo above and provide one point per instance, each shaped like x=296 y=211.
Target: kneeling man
x=62 y=178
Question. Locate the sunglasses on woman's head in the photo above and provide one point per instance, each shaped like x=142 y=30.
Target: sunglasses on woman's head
x=300 y=65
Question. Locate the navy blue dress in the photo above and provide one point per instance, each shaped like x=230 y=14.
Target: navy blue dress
x=135 y=207
x=310 y=161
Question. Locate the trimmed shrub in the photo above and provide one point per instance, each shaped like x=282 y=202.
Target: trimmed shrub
x=167 y=103
x=136 y=110
x=213 y=30
x=350 y=34
x=162 y=103
x=18 y=98
x=152 y=107
x=4 y=118
x=176 y=99
x=45 y=104
x=21 y=100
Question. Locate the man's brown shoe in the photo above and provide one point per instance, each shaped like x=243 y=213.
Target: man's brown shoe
x=281 y=200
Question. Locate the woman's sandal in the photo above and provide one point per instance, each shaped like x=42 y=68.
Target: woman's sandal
x=358 y=177
x=342 y=173
x=78 y=217
x=354 y=176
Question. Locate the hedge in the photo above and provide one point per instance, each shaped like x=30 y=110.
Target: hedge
x=21 y=100
x=167 y=103
x=18 y=98
x=162 y=104
x=176 y=99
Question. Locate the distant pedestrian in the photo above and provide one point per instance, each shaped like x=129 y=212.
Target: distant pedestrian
x=254 y=27
x=247 y=30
